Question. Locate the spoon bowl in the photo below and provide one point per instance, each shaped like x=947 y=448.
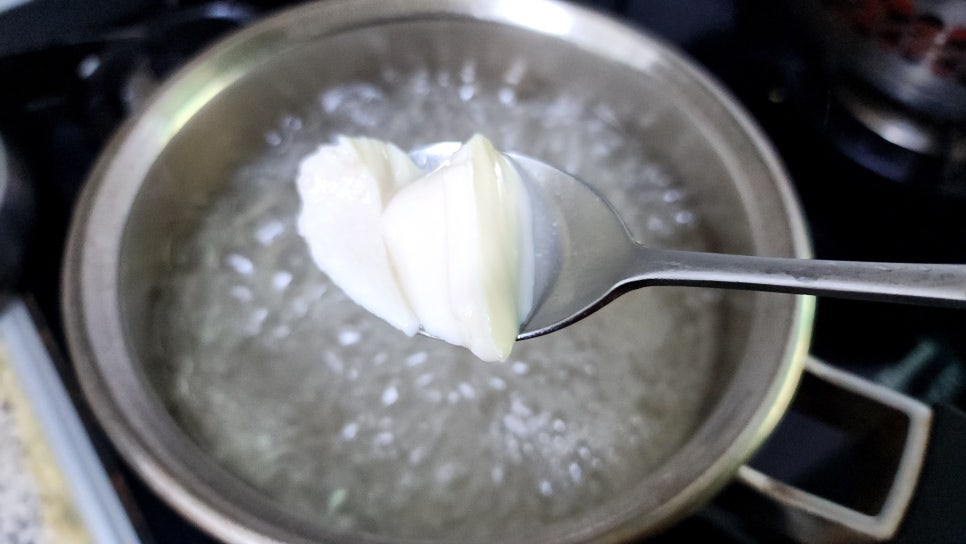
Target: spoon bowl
x=585 y=257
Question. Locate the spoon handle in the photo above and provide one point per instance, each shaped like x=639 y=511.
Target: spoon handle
x=930 y=284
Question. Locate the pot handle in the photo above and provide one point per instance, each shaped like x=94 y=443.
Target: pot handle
x=899 y=427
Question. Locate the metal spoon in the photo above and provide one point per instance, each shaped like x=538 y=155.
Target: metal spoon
x=586 y=258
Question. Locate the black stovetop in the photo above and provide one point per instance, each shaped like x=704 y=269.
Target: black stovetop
x=69 y=78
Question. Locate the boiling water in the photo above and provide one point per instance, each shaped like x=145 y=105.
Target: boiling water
x=344 y=420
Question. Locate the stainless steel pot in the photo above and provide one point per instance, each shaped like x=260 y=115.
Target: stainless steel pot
x=202 y=124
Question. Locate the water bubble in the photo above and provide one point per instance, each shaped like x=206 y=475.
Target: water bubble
x=242 y=293
x=416 y=359
x=269 y=232
x=390 y=396
x=467 y=390
x=507 y=95
x=684 y=217
x=336 y=499
x=240 y=264
x=348 y=337
x=424 y=379
x=672 y=196
x=281 y=280
x=546 y=488
x=273 y=138
x=349 y=431
x=576 y=473
x=292 y=122
x=467 y=91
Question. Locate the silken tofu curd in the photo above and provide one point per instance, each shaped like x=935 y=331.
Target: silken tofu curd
x=449 y=252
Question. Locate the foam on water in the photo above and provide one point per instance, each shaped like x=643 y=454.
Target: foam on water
x=339 y=417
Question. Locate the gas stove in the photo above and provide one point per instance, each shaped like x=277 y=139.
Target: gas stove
x=71 y=78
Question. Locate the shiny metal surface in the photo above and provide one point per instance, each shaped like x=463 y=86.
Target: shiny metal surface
x=588 y=258
x=853 y=406
x=16 y=206
x=161 y=167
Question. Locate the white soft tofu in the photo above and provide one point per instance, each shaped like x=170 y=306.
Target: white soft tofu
x=344 y=188
x=460 y=240
x=449 y=251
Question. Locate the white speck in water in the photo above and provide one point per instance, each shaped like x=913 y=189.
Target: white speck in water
x=497 y=383
x=467 y=390
x=380 y=358
x=445 y=473
x=350 y=430
x=331 y=100
x=496 y=473
x=515 y=425
x=584 y=452
x=684 y=217
x=241 y=293
x=88 y=66
x=347 y=337
x=281 y=280
x=518 y=407
x=546 y=488
x=384 y=439
x=424 y=379
x=467 y=90
x=657 y=225
x=417 y=358
x=390 y=396
x=519 y=367
x=256 y=320
x=468 y=72
x=671 y=196
x=575 y=472
x=421 y=84
x=507 y=95
x=268 y=232
x=559 y=425
x=453 y=397
x=333 y=361
x=241 y=264
x=352 y=374
x=281 y=331
x=292 y=122
x=273 y=138
x=417 y=455
x=336 y=499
